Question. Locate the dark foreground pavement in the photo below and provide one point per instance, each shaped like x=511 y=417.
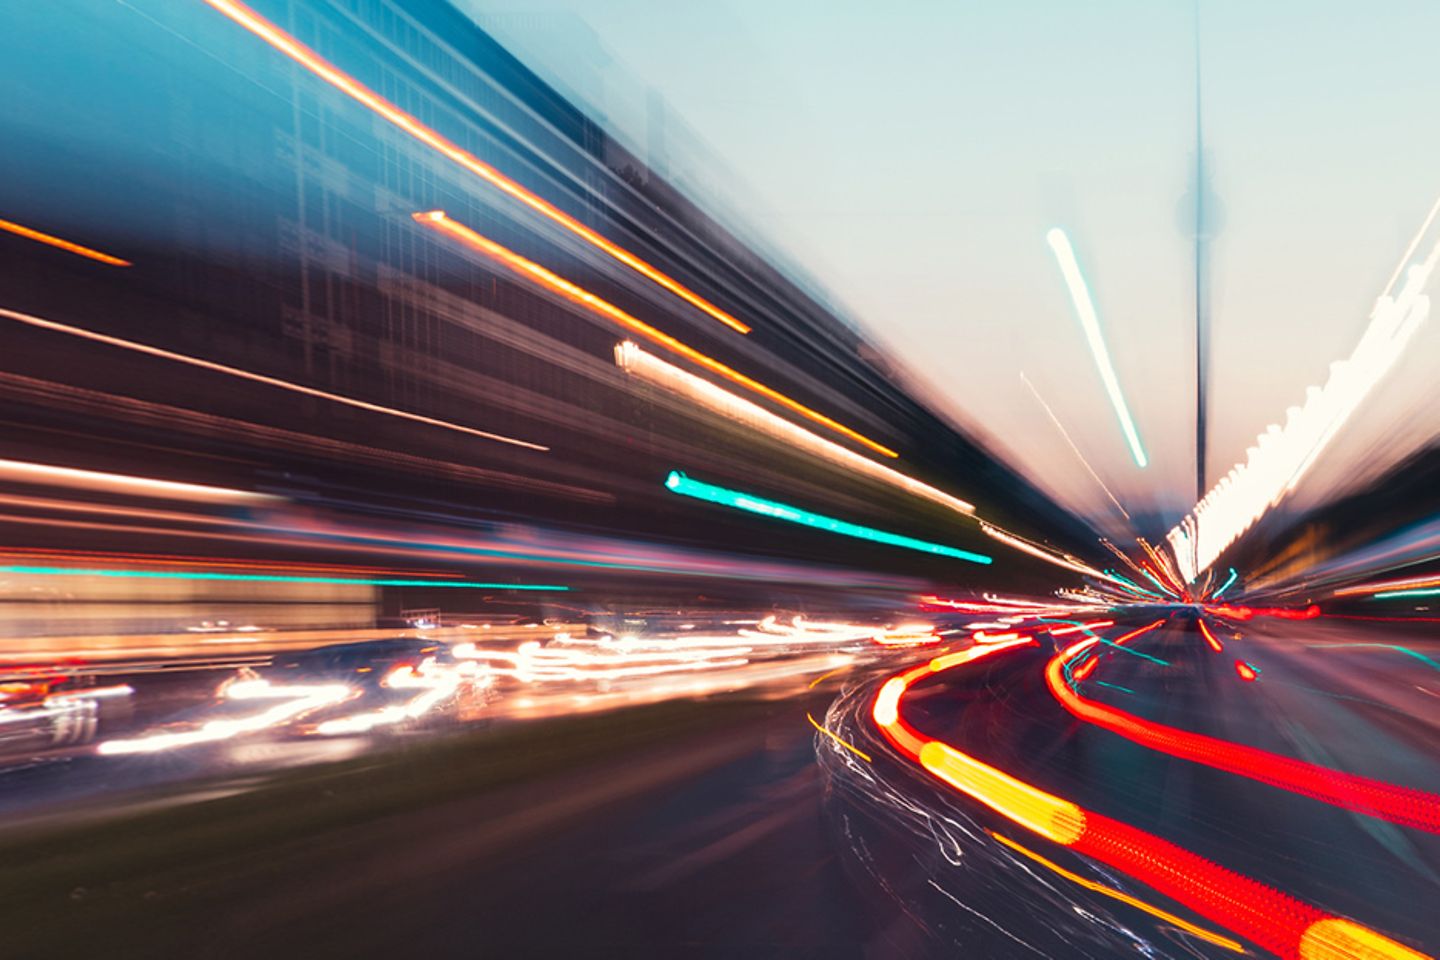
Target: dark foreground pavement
x=686 y=829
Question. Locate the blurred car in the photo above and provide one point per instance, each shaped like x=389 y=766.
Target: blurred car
x=41 y=714
x=396 y=683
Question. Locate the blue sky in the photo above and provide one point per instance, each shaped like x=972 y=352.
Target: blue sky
x=912 y=156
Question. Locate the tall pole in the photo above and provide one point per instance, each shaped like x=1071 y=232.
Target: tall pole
x=1202 y=323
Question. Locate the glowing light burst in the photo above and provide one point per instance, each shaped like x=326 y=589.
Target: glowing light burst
x=263 y=578
x=683 y=485
x=438 y=220
x=1282 y=455
x=1090 y=322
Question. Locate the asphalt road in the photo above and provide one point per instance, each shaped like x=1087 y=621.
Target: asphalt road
x=707 y=828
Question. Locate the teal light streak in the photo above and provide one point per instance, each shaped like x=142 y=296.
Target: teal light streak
x=1388 y=594
x=1134 y=653
x=1134 y=586
x=1383 y=646
x=683 y=485
x=268 y=578
x=1151 y=577
x=1233 y=575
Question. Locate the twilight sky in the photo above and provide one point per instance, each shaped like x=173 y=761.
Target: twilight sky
x=910 y=157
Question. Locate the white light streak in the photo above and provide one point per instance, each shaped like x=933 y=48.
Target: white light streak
x=1282 y=455
x=1085 y=309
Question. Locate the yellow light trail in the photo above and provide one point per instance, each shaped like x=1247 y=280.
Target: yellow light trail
x=368 y=98
x=1186 y=925
x=438 y=220
x=66 y=245
x=859 y=753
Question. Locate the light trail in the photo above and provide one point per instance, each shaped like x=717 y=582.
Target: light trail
x=1041 y=553
x=439 y=221
x=1210 y=637
x=1273 y=920
x=1085 y=310
x=298 y=699
x=1389 y=586
x=1401 y=805
x=268 y=381
x=1165 y=915
x=1065 y=435
x=848 y=746
x=683 y=485
x=19 y=471
x=1226 y=586
x=631 y=358
x=263 y=578
x=1394 y=594
x=327 y=71
x=1282 y=455
x=54 y=241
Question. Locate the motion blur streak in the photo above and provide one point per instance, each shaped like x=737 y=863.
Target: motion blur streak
x=1209 y=637
x=650 y=368
x=64 y=328
x=1040 y=553
x=1085 y=310
x=437 y=220
x=710 y=493
x=844 y=743
x=1269 y=918
x=1401 y=805
x=307 y=58
x=1183 y=924
x=1282 y=455
x=1046 y=814
x=299 y=699
x=1065 y=435
x=43 y=473
x=264 y=578
x=66 y=245
x=1336 y=939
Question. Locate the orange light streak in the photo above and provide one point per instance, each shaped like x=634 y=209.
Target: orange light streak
x=438 y=220
x=191 y=562
x=66 y=245
x=1245 y=671
x=348 y=85
x=1118 y=641
x=1215 y=644
x=148 y=350
x=1170 y=918
x=646 y=366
